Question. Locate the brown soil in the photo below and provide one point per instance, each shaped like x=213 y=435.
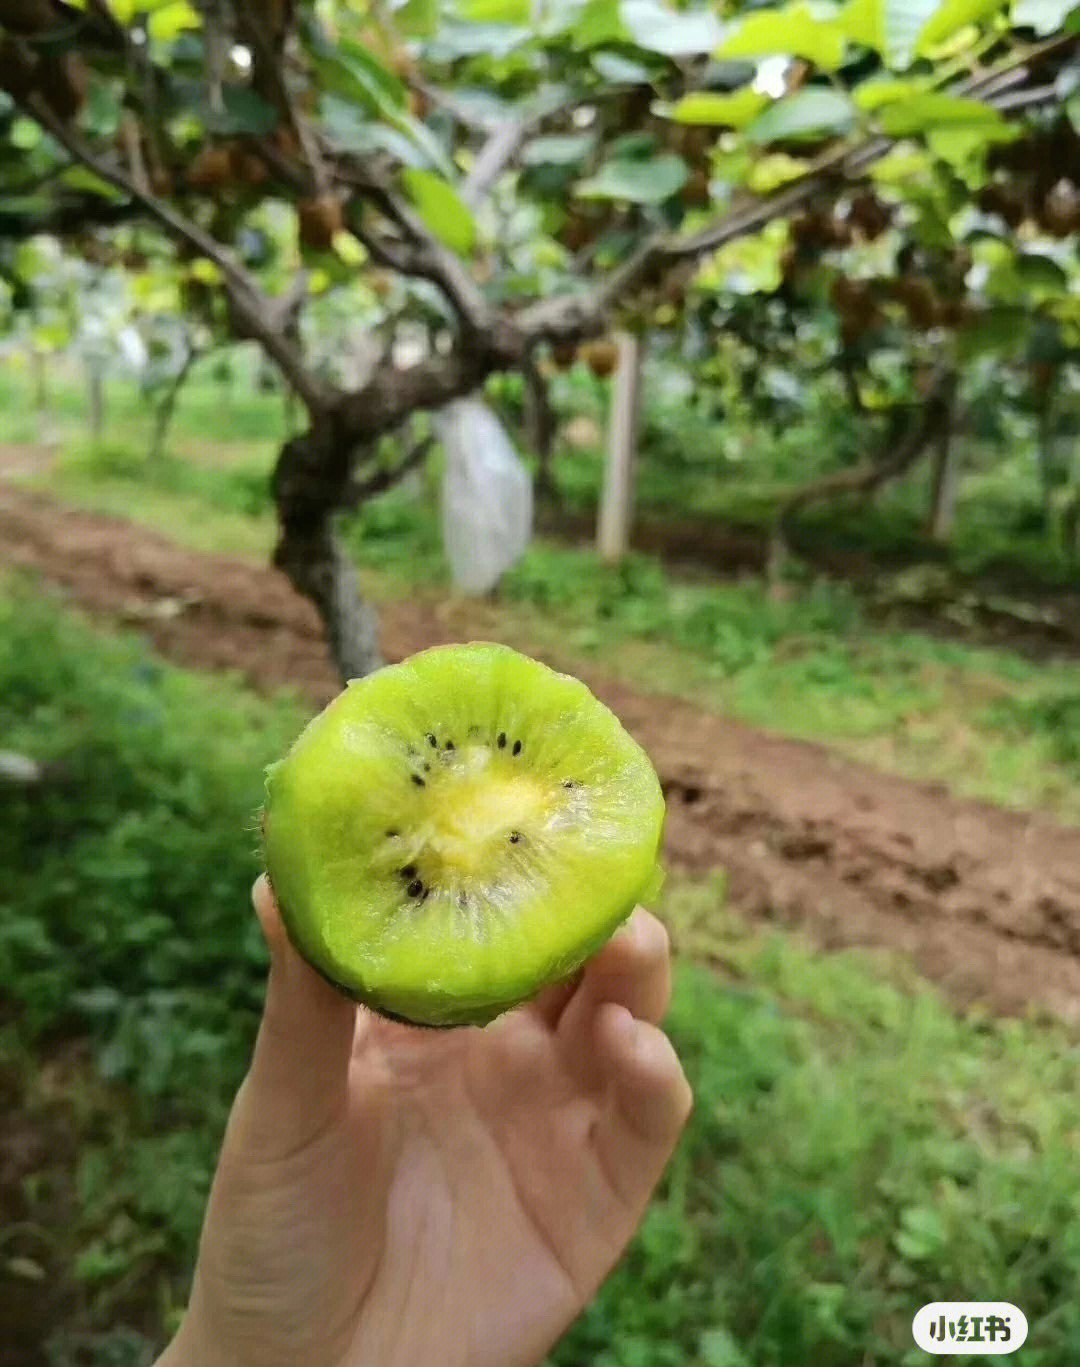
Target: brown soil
x=986 y=901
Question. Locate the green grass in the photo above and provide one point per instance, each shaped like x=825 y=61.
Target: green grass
x=855 y=1150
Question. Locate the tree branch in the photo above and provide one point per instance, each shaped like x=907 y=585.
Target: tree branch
x=357 y=490
x=570 y=317
x=256 y=314
x=418 y=253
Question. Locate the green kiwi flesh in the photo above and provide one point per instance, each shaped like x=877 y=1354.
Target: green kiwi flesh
x=454 y=832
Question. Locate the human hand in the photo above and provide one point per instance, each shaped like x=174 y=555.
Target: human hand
x=388 y=1196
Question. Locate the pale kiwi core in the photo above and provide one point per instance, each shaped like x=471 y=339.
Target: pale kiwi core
x=481 y=810
x=453 y=832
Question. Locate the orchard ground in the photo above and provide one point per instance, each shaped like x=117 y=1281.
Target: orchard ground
x=891 y=1122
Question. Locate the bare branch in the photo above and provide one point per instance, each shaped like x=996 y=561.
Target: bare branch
x=492 y=159
x=393 y=392
x=268 y=63
x=255 y=313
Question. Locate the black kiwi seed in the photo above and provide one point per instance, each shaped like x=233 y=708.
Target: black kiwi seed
x=415 y=888
x=517 y=748
x=502 y=740
x=427 y=768
x=392 y=835
x=449 y=745
x=432 y=741
x=515 y=837
x=418 y=781
x=569 y=783
x=409 y=871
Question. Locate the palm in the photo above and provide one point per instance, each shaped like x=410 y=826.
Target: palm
x=465 y=1193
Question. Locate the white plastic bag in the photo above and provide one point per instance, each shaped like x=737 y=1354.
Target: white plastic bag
x=487 y=501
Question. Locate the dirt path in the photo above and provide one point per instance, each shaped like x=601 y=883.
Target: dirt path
x=986 y=901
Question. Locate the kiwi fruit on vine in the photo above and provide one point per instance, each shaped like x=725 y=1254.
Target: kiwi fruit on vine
x=601 y=356
x=318 y=220
x=211 y=168
x=452 y=833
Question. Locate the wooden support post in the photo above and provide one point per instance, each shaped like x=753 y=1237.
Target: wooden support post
x=617 y=498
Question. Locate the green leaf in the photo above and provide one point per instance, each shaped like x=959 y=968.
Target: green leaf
x=497 y=11
x=813 y=112
x=903 y=22
x=353 y=74
x=793 y=31
x=368 y=77
x=597 y=24
x=169 y=20
x=244 y=112
x=878 y=91
x=953 y=16
x=618 y=70
x=963 y=147
x=716 y=110
x=24 y=134
x=768 y=173
x=1044 y=16
x=417 y=18
x=560 y=149
x=656 y=28
x=442 y=209
x=102 y=112
x=79 y=178
x=864 y=23
x=353 y=132
x=932 y=109
x=637 y=180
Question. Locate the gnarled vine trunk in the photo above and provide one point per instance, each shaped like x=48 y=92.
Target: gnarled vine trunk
x=309 y=485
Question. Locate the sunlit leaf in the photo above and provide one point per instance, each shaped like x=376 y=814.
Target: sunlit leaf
x=769 y=173
x=643 y=180
x=79 y=178
x=872 y=94
x=953 y=16
x=717 y=110
x=205 y=271
x=932 y=109
x=864 y=22
x=598 y=23
x=168 y=20
x=793 y=31
x=442 y=209
x=497 y=11
x=349 y=249
x=813 y=112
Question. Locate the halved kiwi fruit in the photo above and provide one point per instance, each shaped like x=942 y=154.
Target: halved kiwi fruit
x=456 y=831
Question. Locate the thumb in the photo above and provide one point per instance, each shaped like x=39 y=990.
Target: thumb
x=297 y=1084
